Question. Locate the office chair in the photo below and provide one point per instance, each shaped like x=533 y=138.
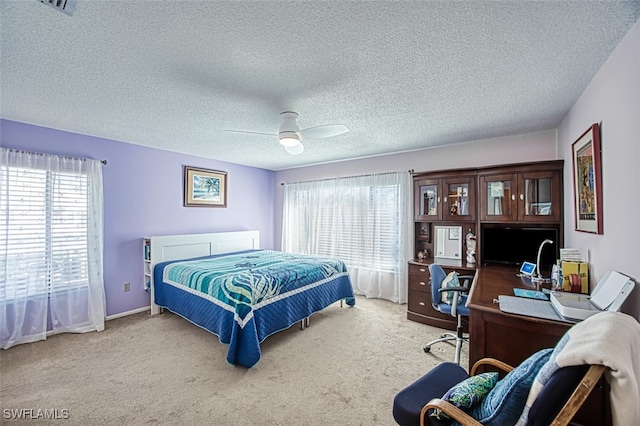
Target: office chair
x=456 y=309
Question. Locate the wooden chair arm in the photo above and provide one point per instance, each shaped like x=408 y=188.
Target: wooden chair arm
x=491 y=361
x=579 y=395
x=448 y=408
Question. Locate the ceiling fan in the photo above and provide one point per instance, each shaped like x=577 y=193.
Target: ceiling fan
x=290 y=135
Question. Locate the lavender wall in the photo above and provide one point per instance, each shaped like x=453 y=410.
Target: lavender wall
x=538 y=146
x=143 y=197
x=612 y=99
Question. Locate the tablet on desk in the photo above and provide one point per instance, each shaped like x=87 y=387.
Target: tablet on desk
x=527 y=268
x=531 y=294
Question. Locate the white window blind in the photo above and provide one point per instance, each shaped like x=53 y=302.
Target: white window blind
x=370 y=213
x=362 y=220
x=51 y=244
x=43 y=234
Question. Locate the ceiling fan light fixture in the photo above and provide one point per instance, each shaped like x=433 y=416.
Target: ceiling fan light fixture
x=290 y=135
x=295 y=150
x=289 y=139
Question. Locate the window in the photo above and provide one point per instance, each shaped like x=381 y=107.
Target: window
x=361 y=220
x=346 y=233
x=43 y=239
x=50 y=246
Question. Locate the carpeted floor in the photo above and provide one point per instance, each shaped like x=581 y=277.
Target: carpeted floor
x=343 y=370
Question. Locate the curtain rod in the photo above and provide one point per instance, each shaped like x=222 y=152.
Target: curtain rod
x=339 y=177
x=104 y=162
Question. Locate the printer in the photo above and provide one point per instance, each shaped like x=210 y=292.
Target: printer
x=608 y=295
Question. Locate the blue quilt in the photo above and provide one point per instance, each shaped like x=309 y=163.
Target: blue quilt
x=246 y=296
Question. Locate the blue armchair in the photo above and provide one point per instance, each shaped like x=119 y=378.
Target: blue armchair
x=557 y=403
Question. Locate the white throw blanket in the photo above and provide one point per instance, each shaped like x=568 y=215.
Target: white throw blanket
x=611 y=339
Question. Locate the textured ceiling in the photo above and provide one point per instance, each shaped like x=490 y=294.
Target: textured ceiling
x=402 y=75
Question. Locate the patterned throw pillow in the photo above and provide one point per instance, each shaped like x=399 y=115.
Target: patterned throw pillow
x=450 y=280
x=468 y=393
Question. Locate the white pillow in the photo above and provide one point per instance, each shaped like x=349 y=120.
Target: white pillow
x=450 y=280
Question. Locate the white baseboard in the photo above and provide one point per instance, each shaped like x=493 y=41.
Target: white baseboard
x=124 y=314
x=114 y=316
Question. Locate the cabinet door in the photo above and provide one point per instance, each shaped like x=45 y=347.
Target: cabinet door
x=498 y=198
x=539 y=197
x=427 y=199
x=459 y=199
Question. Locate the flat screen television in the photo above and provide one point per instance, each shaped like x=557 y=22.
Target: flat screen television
x=514 y=245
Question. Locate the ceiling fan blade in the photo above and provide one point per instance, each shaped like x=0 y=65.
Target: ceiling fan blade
x=325 y=131
x=251 y=133
x=295 y=150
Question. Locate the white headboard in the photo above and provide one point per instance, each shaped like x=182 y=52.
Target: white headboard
x=177 y=247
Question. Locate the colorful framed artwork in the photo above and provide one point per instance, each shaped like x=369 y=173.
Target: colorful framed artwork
x=587 y=181
x=204 y=188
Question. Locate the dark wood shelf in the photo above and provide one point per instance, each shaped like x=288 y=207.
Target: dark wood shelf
x=445 y=188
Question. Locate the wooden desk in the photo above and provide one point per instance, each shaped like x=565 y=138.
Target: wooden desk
x=513 y=338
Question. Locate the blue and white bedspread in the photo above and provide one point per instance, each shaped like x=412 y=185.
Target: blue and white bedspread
x=244 y=297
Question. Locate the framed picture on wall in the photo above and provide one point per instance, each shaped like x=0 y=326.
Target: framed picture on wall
x=204 y=188
x=587 y=181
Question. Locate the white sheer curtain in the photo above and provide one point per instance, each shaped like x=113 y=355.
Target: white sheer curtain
x=363 y=220
x=51 y=242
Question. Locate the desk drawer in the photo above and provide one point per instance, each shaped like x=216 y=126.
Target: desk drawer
x=420 y=283
x=420 y=303
x=419 y=299
x=419 y=270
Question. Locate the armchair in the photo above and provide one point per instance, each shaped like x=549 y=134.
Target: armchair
x=556 y=404
x=547 y=388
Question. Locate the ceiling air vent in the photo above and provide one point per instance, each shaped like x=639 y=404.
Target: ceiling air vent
x=66 y=6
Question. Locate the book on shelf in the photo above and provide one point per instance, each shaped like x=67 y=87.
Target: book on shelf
x=570 y=255
x=574 y=277
x=147 y=249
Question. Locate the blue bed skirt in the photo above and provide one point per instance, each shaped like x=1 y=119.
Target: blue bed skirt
x=243 y=327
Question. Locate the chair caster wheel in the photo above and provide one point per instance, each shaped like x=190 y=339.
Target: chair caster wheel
x=427 y=349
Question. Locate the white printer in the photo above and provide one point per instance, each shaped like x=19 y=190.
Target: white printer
x=609 y=295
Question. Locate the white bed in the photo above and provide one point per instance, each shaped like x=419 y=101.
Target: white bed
x=187 y=246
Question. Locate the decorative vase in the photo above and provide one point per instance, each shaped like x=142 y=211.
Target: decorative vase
x=471 y=247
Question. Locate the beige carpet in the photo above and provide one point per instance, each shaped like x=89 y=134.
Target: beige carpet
x=343 y=370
